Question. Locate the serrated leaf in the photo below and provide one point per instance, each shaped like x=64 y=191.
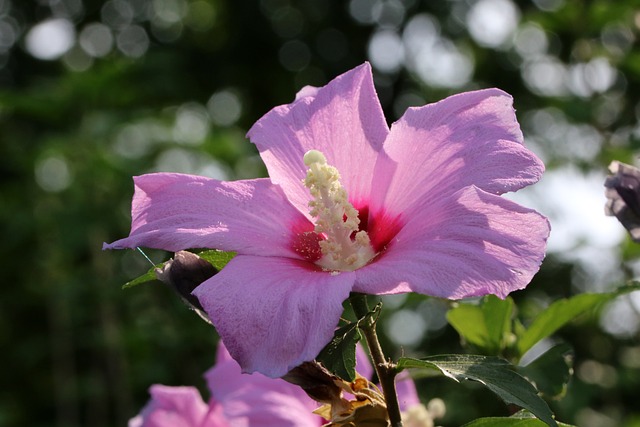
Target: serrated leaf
x=493 y=372
x=484 y=326
x=519 y=419
x=218 y=259
x=551 y=371
x=509 y=422
x=339 y=356
x=149 y=276
x=562 y=312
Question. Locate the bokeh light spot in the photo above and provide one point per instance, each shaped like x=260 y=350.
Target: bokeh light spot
x=133 y=41
x=549 y=5
x=169 y=11
x=294 y=55
x=96 y=39
x=134 y=140
x=617 y=39
x=363 y=11
x=595 y=76
x=531 y=41
x=201 y=15
x=8 y=33
x=193 y=162
x=386 y=51
x=191 y=124
x=405 y=327
x=436 y=60
x=77 y=59
x=117 y=14
x=287 y=22
x=620 y=317
x=545 y=76
x=224 y=107
x=491 y=23
x=50 y=39
x=52 y=174
x=389 y=13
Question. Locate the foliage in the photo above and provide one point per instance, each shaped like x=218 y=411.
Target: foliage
x=339 y=356
x=495 y=373
x=520 y=419
x=489 y=326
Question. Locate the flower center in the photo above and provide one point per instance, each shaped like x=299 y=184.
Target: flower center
x=344 y=247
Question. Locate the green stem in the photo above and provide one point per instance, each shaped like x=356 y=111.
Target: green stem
x=384 y=368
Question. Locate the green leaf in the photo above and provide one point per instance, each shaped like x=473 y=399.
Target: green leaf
x=339 y=356
x=509 y=422
x=497 y=313
x=149 y=276
x=551 y=371
x=468 y=320
x=562 y=312
x=218 y=259
x=495 y=373
x=520 y=419
x=485 y=326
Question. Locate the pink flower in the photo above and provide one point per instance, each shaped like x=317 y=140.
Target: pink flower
x=237 y=400
x=351 y=205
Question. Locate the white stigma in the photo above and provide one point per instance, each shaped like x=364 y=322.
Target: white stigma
x=336 y=219
x=314 y=156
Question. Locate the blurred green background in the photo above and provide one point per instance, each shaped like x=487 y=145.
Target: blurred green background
x=93 y=92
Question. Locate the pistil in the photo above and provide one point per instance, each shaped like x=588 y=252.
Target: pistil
x=345 y=248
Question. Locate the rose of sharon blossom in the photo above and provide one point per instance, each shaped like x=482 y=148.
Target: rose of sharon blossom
x=351 y=205
x=236 y=400
x=256 y=401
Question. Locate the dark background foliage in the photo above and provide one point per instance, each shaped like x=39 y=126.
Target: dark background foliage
x=93 y=92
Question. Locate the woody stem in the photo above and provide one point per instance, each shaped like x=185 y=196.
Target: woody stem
x=385 y=369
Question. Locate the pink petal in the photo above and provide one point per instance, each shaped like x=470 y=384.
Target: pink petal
x=407 y=392
x=222 y=354
x=435 y=150
x=256 y=400
x=175 y=407
x=307 y=91
x=343 y=120
x=274 y=313
x=363 y=363
x=174 y=212
x=471 y=244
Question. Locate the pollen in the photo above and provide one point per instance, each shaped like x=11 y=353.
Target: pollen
x=345 y=247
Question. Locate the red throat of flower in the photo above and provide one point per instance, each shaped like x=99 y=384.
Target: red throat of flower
x=341 y=239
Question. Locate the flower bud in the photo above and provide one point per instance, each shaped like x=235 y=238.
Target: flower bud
x=316 y=381
x=185 y=272
x=623 y=196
